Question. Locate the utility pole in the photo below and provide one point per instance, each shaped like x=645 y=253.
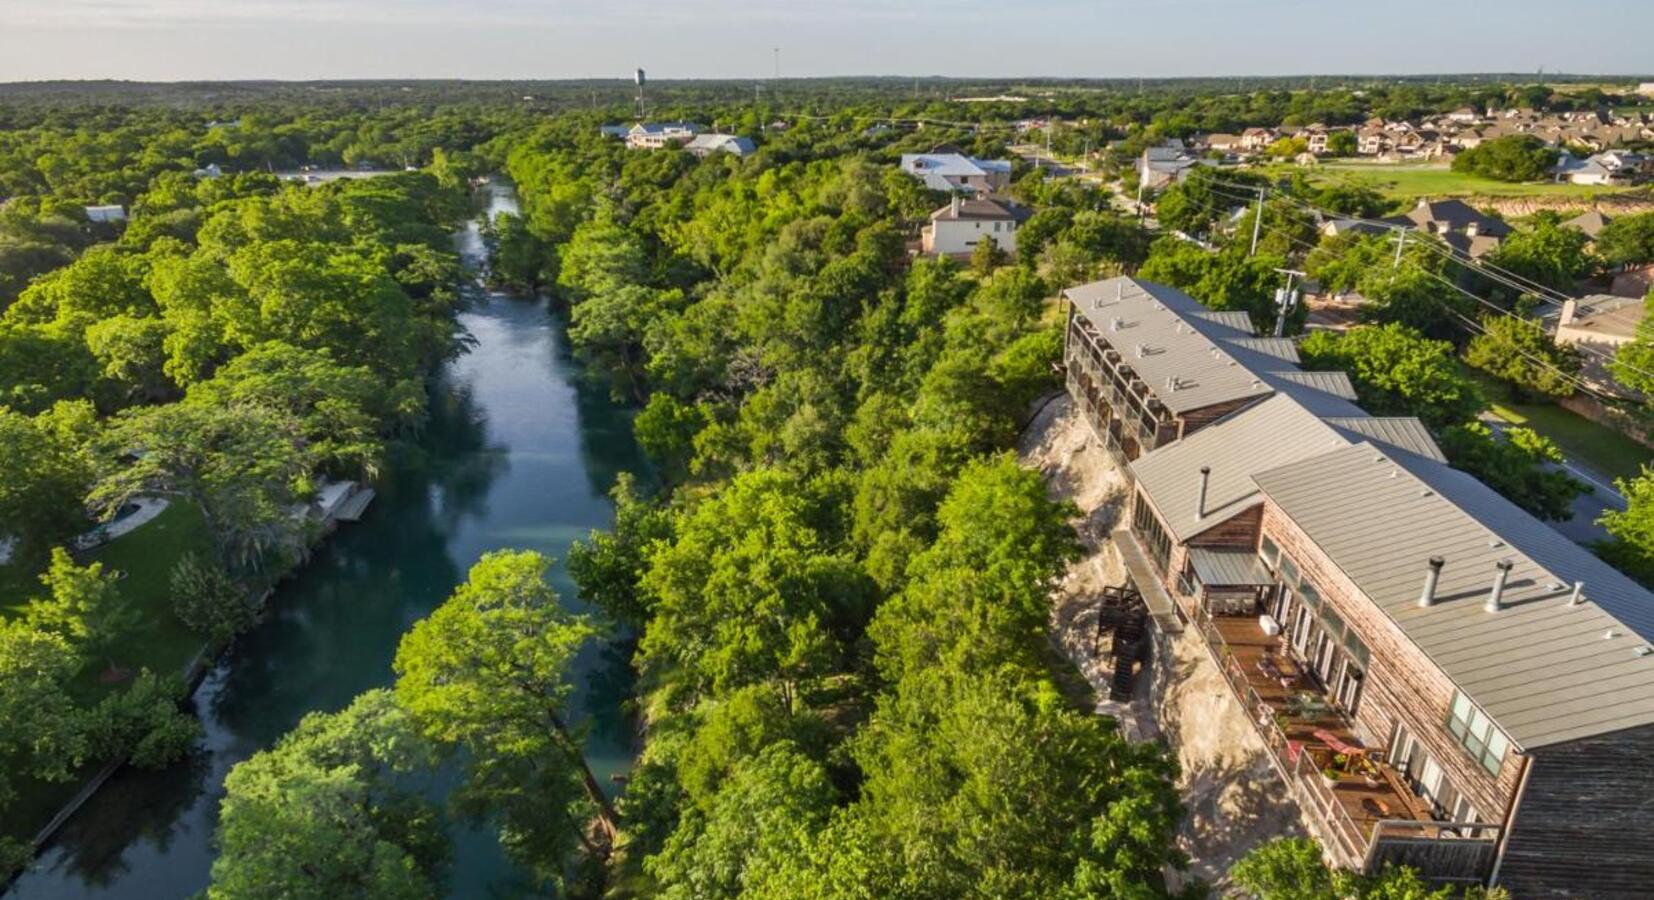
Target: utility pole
x=1401 y=241
x=1142 y=176
x=1257 y=223
x=1286 y=299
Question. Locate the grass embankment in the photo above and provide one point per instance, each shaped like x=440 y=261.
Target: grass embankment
x=159 y=642
x=1409 y=181
x=1600 y=448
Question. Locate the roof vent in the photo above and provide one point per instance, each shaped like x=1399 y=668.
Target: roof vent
x=1578 y=596
x=1427 y=597
x=1609 y=635
x=1200 y=499
x=1141 y=350
x=1171 y=383
x=1495 y=597
x=1115 y=323
x=1645 y=650
x=1120 y=289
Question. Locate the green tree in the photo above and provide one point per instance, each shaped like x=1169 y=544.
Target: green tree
x=43 y=478
x=609 y=565
x=209 y=601
x=1519 y=351
x=488 y=673
x=749 y=591
x=1627 y=240
x=326 y=813
x=41 y=734
x=1630 y=546
x=1524 y=467
x=1397 y=372
x=1513 y=157
x=142 y=723
x=1633 y=363
x=83 y=605
x=1292 y=869
x=986 y=256
x=1341 y=142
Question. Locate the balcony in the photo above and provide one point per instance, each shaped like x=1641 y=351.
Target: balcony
x=1361 y=809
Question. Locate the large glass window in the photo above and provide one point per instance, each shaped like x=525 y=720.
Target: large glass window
x=1477 y=733
x=1269 y=552
x=1147 y=526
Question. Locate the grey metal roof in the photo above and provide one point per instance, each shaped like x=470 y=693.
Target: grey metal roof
x=1405 y=432
x=1217 y=567
x=1157 y=332
x=1264 y=435
x=1238 y=319
x=1280 y=348
x=1337 y=384
x=1546 y=671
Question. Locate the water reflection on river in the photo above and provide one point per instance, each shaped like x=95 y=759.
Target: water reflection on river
x=520 y=452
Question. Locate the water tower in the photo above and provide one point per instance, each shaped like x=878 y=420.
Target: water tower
x=639 y=77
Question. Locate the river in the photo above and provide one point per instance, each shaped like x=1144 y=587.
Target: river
x=520 y=453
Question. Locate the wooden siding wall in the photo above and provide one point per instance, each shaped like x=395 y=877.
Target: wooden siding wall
x=1196 y=419
x=1402 y=684
x=1237 y=533
x=1585 y=827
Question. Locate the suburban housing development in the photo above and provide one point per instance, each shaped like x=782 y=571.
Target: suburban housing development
x=1442 y=680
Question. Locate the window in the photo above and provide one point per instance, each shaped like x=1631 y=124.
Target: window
x=1269 y=552
x=1147 y=526
x=1289 y=570
x=1477 y=733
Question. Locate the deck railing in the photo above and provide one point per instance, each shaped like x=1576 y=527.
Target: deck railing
x=1449 y=852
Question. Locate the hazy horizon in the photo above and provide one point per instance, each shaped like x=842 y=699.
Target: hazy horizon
x=306 y=40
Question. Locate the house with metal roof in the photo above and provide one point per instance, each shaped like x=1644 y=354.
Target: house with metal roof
x=1442 y=681
x=958 y=173
x=707 y=144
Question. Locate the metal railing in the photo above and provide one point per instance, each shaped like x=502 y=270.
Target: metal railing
x=1451 y=852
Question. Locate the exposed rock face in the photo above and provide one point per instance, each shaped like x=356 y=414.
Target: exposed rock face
x=1234 y=798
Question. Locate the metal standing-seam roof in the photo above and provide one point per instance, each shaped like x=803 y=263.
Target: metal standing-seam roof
x=1337 y=384
x=1217 y=566
x=1405 y=432
x=1160 y=344
x=1266 y=434
x=1545 y=670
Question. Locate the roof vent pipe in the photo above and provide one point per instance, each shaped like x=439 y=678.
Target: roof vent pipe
x=1427 y=597
x=1496 y=596
x=1120 y=290
x=1200 y=499
x=1578 y=596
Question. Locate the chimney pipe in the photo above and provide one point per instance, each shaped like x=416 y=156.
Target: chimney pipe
x=956 y=204
x=1496 y=595
x=1578 y=595
x=1200 y=501
x=1427 y=597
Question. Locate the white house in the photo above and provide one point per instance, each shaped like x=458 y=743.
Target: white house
x=708 y=144
x=655 y=135
x=957 y=228
x=111 y=213
x=956 y=172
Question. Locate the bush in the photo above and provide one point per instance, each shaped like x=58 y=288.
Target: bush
x=208 y=601
x=1515 y=157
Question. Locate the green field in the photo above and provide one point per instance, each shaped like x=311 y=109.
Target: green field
x=1407 y=181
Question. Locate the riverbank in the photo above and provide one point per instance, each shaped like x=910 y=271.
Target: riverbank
x=521 y=451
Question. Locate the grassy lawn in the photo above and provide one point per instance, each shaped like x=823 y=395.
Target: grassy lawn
x=1408 y=181
x=1598 y=447
x=1603 y=449
x=160 y=643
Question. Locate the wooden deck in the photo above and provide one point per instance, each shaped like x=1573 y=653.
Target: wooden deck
x=1289 y=708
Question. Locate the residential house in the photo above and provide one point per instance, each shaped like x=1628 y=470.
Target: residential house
x=1372 y=141
x=618 y=132
x=1600 y=324
x=655 y=135
x=1613 y=167
x=113 y=212
x=1442 y=681
x=1315 y=139
x=1222 y=142
x=1591 y=222
x=1255 y=139
x=957 y=228
x=1462 y=226
x=704 y=145
x=956 y=172
x=1160 y=166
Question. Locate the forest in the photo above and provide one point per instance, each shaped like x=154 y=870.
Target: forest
x=834 y=582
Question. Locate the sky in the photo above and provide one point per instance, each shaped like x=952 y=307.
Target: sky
x=173 y=40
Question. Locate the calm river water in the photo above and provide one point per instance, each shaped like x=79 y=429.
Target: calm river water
x=520 y=453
